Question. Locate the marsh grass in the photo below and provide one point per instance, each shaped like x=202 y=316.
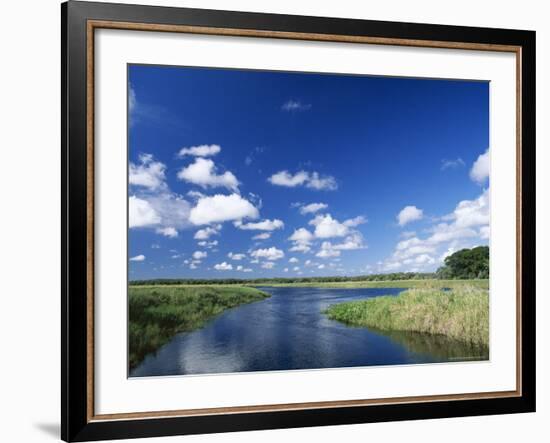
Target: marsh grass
x=157 y=313
x=424 y=284
x=460 y=314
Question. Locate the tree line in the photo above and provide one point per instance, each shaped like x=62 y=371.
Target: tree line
x=464 y=264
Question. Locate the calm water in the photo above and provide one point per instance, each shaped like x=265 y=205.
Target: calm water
x=290 y=331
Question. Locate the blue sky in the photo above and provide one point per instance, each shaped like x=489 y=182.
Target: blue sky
x=236 y=173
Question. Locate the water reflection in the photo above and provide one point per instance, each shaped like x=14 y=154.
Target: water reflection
x=290 y=331
x=437 y=346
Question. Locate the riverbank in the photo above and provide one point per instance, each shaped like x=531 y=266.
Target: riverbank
x=409 y=284
x=461 y=314
x=157 y=313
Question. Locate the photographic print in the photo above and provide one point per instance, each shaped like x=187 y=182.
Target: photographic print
x=294 y=220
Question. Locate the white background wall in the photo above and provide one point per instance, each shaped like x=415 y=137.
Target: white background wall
x=30 y=207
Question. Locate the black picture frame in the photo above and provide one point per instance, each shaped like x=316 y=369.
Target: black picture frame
x=76 y=422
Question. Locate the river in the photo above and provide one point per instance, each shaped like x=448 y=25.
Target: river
x=290 y=331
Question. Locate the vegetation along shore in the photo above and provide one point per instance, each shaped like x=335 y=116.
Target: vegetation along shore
x=157 y=313
x=461 y=313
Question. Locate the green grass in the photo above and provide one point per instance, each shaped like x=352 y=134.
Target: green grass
x=426 y=283
x=157 y=313
x=461 y=314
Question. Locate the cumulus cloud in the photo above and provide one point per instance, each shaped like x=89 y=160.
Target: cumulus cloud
x=200 y=151
x=481 y=168
x=321 y=266
x=293 y=260
x=152 y=204
x=199 y=255
x=312 y=180
x=141 y=213
x=267 y=265
x=148 y=173
x=409 y=214
x=168 y=231
x=223 y=266
x=237 y=257
x=139 y=257
x=301 y=235
x=208 y=244
x=262 y=236
x=327 y=227
x=312 y=208
x=295 y=106
x=269 y=254
x=327 y=251
x=356 y=221
x=206 y=233
x=220 y=208
x=301 y=239
x=265 y=225
x=203 y=173
x=465 y=227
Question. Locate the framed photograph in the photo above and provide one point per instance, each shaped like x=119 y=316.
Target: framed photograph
x=277 y=221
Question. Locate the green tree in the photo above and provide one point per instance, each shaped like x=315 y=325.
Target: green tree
x=466 y=264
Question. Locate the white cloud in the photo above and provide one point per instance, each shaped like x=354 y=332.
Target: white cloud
x=424 y=259
x=139 y=257
x=141 y=213
x=311 y=180
x=481 y=168
x=247 y=270
x=327 y=251
x=195 y=194
x=200 y=151
x=265 y=225
x=284 y=178
x=236 y=256
x=301 y=235
x=285 y=269
x=327 y=227
x=356 y=221
x=312 y=208
x=208 y=244
x=293 y=260
x=193 y=266
x=351 y=242
x=219 y=208
x=206 y=233
x=300 y=247
x=295 y=106
x=301 y=239
x=470 y=213
x=467 y=226
x=203 y=173
x=452 y=164
x=296 y=268
x=484 y=232
x=269 y=253
x=223 y=267
x=148 y=173
x=321 y=266
x=268 y=265
x=321 y=183
x=409 y=214
x=168 y=231
x=199 y=255
x=262 y=236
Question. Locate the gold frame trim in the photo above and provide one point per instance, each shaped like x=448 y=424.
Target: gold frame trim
x=92 y=25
